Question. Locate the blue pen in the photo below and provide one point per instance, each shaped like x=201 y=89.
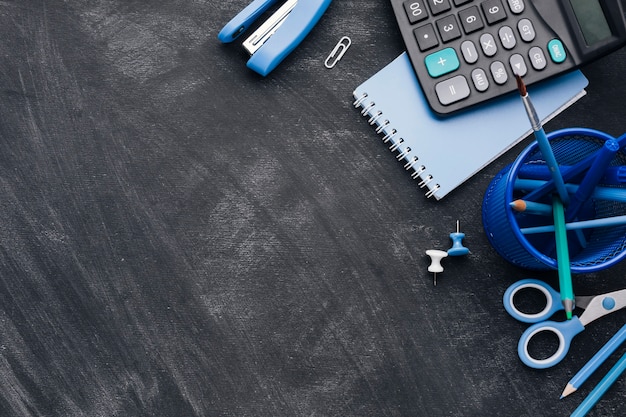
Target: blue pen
x=601 y=388
x=603 y=157
x=593 y=364
x=542 y=142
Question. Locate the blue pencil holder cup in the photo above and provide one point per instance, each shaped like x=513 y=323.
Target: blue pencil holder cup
x=600 y=247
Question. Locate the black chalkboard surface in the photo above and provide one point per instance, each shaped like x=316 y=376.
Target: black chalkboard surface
x=183 y=237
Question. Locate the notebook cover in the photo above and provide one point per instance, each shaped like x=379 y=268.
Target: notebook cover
x=442 y=153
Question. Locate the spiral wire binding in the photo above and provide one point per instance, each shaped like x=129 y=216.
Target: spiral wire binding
x=411 y=162
x=382 y=126
x=389 y=135
x=360 y=100
x=396 y=145
x=375 y=117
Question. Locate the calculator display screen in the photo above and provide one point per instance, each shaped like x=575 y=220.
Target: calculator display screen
x=591 y=20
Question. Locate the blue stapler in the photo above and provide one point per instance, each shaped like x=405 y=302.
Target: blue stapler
x=279 y=35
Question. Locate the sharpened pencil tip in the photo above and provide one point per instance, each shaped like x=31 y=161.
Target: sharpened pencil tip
x=521 y=87
x=568 y=306
x=569 y=389
x=518 y=205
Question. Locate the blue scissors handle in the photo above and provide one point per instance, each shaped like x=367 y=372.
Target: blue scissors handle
x=565 y=331
x=553 y=300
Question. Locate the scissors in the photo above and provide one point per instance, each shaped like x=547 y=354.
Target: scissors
x=595 y=307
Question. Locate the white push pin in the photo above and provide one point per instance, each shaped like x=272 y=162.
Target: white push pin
x=435 y=267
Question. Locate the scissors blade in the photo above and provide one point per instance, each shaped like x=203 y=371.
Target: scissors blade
x=603 y=304
x=584 y=301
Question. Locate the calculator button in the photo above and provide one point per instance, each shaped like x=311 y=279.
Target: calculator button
x=498 y=72
x=448 y=28
x=516 y=6
x=493 y=10
x=461 y=2
x=441 y=62
x=453 y=89
x=526 y=30
x=557 y=51
x=415 y=11
x=469 y=52
x=438 y=6
x=518 y=65
x=488 y=44
x=507 y=37
x=426 y=37
x=471 y=20
x=480 y=79
x=537 y=58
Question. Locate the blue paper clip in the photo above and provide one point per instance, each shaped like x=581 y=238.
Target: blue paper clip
x=279 y=35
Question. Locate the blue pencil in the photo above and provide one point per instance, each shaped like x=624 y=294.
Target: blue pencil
x=600 y=193
x=608 y=193
x=584 y=224
x=542 y=142
x=562 y=257
x=530 y=207
x=601 y=388
x=593 y=364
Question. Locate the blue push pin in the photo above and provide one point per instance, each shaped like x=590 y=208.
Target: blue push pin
x=457 y=248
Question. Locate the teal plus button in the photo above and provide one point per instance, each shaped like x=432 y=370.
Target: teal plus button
x=441 y=62
x=557 y=51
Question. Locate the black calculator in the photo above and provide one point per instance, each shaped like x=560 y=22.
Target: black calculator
x=465 y=52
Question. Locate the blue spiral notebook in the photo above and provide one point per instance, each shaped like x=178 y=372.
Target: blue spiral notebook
x=442 y=153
